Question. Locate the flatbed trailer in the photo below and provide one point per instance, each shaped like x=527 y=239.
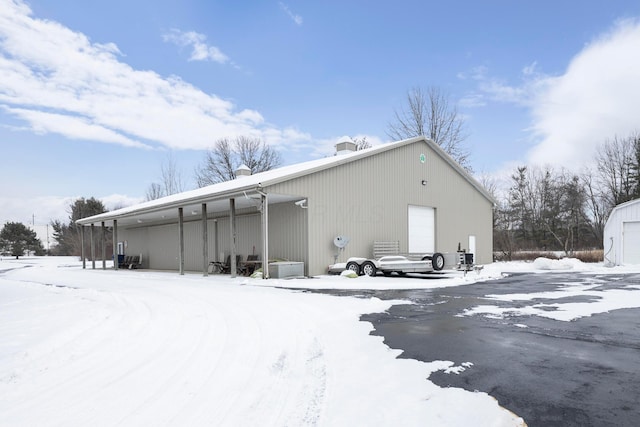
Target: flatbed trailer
x=396 y=264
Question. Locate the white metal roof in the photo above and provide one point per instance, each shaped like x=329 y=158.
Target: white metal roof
x=222 y=191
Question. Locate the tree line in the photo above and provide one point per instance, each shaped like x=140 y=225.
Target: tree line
x=557 y=210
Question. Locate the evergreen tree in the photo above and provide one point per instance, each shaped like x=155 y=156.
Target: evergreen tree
x=16 y=238
x=68 y=236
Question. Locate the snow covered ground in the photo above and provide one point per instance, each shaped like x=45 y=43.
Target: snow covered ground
x=93 y=347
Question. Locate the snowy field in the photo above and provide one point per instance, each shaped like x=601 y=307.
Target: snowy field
x=102 y=348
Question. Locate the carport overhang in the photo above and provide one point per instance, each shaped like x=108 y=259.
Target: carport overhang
x=190 y=207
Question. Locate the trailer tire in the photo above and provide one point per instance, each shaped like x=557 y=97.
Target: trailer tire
x=437 y=261
x=353 y=266
x=368 y=268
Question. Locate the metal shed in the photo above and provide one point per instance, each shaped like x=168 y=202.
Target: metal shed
x=408 y=191
x=622 y=234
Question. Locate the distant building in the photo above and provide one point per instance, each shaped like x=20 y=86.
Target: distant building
x=408 y=191
x=622 y=235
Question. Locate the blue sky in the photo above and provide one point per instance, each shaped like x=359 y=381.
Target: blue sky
x=94 y=96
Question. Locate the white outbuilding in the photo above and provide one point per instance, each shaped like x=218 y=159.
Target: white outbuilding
x=622 y=235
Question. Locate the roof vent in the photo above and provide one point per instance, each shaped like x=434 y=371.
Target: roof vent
x=242 y=171
x=345 y=145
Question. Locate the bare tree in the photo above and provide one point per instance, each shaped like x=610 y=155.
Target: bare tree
x=171 y=176
x=222 y=161
x=598 y=204
x=170 y=180
x=430 y=113
x=154 y=191
x=615 y=163
x=361 y=143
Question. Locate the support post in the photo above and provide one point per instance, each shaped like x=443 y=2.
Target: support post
x=93 y=248
x=104 y=247
x=232 y=231
x=82 y=254
x=115 y=244
x=181 y=240
x=264 y=214
x=216 y=246
x=205 y=242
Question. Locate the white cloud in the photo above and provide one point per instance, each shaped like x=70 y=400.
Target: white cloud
x=596 y=98
x=473 y=100
x=198 y=43
x=41 y=210
x=58 y=81
x=294 y=17
x=70 y=126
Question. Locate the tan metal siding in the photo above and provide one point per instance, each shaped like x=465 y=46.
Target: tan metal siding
x=367 y=201
x=288 y=232
x=137 y=243
x=192 y=246
x=248 y=236
x=163 y=247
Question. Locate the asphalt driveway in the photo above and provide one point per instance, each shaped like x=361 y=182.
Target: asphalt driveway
x=584 y=372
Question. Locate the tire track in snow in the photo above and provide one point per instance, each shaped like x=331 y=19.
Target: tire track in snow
x=71 y=365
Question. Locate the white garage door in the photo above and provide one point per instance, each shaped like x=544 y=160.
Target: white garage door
x=421 y=229
x=631 y=242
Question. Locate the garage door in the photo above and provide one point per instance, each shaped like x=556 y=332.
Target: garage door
x=421 y=229
x=631 y=242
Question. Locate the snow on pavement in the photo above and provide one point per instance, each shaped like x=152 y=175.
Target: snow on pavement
x=600 y=300
x=92 y=347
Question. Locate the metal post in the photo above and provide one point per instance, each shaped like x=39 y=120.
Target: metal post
x=93 y=248
x=104 y=247
x=205 y=242
x=232 y=230
x=181 y=240
x=216 y=245
x=84 y=261
x=265 y=236
x=115 y=244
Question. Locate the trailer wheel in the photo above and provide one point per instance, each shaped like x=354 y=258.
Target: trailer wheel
x=369 y=268
x=437 y=261
x=353 y=266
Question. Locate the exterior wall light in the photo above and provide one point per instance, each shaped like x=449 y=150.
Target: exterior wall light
x=424 y=182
